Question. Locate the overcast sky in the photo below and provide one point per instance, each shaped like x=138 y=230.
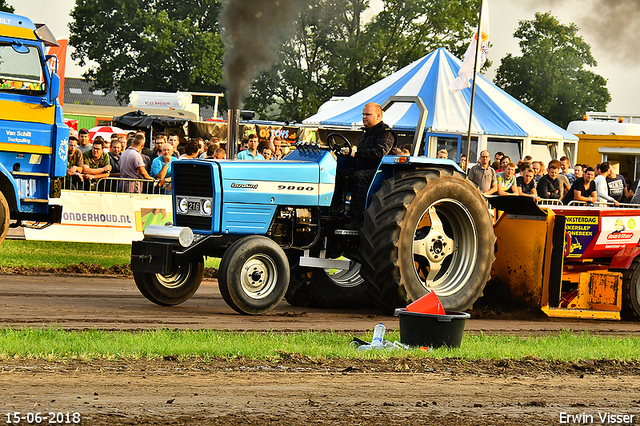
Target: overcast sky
x=611 y=27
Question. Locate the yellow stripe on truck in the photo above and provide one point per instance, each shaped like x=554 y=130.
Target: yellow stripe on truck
x=17 y=32
x=32 y=113
x=19 y=147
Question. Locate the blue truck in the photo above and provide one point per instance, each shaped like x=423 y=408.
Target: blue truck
x=33 y=136
x=272 y=223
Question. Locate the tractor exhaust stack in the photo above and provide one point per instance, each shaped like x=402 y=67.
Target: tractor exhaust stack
x=233 y=132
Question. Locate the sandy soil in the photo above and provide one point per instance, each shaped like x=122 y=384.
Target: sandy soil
x=297 y=390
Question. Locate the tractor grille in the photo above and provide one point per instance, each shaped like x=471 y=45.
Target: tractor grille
x=193 y=180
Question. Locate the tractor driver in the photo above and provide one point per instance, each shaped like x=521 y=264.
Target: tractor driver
x=376 y=142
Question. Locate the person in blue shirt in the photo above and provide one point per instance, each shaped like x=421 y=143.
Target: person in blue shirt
x=161 y=165
x=251 y=153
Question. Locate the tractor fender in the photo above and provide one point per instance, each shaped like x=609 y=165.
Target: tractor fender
x=624 y=258
x=392 y=164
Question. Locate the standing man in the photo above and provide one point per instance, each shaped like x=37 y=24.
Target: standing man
x=527 y=184
x=483 y=175
x=601 y=185
x=565 y=169
x=583 y=189
x=161 y=165
x=507 y=184
x=549 y=185
x=175 y=141
x=275 y=143
x=251 y=153
x=83 y=141
x=75 y=164
x=617 y=185
x=114 y=157
x=376 y=142
x=132 y=165
x=96 y=162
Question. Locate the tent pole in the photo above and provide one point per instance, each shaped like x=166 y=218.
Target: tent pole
x=473 y=86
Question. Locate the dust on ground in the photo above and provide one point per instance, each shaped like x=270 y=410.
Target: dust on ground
x=299 y=390
x=291 y=389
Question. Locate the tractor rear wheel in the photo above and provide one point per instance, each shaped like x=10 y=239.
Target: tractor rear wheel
x=4 y=217
x=328 y=289
x=254 y=275
x=631 y=292
x=427 y=230
x=173 y=288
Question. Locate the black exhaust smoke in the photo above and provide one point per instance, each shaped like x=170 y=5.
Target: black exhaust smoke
x=252 y=32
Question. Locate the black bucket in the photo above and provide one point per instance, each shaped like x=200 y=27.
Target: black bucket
x=434 y=331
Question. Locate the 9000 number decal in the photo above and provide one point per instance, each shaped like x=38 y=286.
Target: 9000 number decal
x=295 y=188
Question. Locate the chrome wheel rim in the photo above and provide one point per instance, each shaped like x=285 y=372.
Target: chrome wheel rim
x=346 y=278
x=259 y=276
x=176 y=278
x=445 y=247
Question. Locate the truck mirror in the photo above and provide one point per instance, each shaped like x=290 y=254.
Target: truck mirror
x=54 y=90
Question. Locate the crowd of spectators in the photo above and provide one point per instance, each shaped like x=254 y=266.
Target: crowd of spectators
x=126 y=157
x=553 y=181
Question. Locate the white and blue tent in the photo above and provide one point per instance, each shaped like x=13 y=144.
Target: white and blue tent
x=500 y=122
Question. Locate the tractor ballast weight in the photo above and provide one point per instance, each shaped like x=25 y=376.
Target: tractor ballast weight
x=426 y=228
x=571 y=261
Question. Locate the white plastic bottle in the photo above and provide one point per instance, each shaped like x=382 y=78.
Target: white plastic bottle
x=378 y=335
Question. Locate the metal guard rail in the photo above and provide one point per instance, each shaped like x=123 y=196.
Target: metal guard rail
x=116 y=185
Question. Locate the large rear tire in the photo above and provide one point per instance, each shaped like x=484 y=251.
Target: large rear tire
x=173 y=288
x=5 y=214
x=328 y=289
x=254 y=275
x=427 y=230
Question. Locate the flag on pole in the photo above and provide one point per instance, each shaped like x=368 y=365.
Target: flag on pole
x=466 y=70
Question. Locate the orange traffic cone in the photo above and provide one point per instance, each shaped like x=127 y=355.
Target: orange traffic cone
x=427 y=304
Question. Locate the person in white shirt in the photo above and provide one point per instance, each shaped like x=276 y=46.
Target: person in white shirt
x=601 y=186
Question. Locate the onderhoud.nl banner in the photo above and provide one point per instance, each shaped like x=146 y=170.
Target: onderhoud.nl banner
x=99 y=217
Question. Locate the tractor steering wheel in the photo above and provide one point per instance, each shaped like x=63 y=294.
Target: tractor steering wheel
x=336 y=146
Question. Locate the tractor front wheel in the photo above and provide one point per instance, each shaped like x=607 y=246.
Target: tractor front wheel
x=173 y=288
x=254 y=275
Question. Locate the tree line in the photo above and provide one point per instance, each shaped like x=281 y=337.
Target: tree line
x=171 y=45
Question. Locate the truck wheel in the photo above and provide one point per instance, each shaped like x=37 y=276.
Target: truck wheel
x=4 y=217
x=171 y=289
x=427 y=230
x=631 y=292
x=328 y=289
x=254 y=275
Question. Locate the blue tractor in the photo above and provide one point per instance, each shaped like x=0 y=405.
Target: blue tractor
x=426 y=227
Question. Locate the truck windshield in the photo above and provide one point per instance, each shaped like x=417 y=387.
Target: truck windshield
x=21 y=70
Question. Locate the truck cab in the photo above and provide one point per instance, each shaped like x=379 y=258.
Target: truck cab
x=33 y=136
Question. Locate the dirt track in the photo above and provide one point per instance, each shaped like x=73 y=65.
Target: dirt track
x=296 y=390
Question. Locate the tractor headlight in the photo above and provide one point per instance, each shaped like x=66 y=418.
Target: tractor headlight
x=183 y=205
x=206 y=207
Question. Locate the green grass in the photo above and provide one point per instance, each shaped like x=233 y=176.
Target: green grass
x=56 y=344
x=55 y=254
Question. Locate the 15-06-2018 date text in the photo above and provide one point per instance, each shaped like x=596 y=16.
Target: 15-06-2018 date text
x=52 y=418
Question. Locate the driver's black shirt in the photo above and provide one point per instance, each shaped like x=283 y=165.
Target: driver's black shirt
x=374 y=144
